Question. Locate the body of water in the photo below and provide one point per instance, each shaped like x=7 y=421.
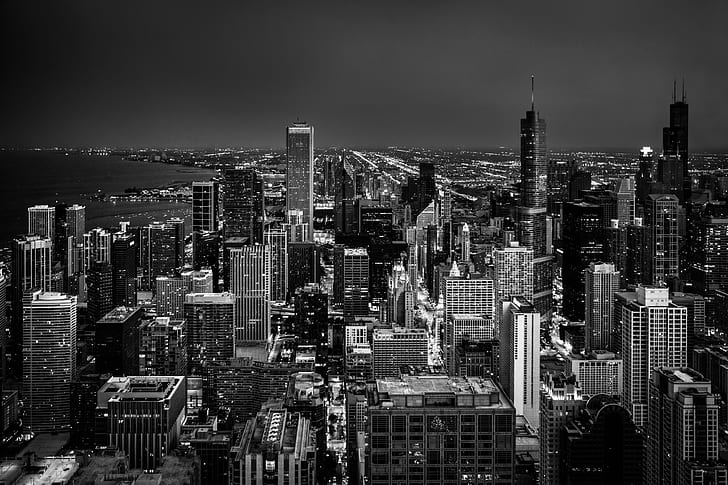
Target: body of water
x=49 y=178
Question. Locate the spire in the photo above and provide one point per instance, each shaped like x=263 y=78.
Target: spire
x=674 y=89
x=531 y=92
x=683 y=90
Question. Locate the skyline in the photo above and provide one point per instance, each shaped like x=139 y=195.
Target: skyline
x=83 y=74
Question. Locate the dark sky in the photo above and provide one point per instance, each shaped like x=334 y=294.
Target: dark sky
x=233 y=73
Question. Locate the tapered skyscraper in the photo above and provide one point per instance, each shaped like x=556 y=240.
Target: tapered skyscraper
x=675 y=138
x=299 y=174
x=532 y=208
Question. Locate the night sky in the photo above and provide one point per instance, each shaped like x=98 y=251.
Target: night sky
x=455 y=74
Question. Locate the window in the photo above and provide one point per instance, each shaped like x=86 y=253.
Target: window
x=380 y=424
x=503 y=423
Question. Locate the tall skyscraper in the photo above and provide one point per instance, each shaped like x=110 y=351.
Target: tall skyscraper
x=532 y=208
x=162 y=347
x=675 y=139
x=206 y=254
x=520 y=366
x=299 y=172
x=654 y=334
x=243 y=205
x=513 y=275
x=250 y=283
x=124 y=267
x=164 y=248
x=661 y=216
x=42 y=221
x=99 y=290
x=210 y=331
x=709 y=271
x=583 y=243
x=625 y=201
x=49 y=360
x=205 y=198
x=76 y=221
x=170 y=294
x=96 y=248
x=3 y=326
x=117 y=341
x=561 y=401
x=351 y=280
x=602 y=281
x=277 y=241
x=429 y=429
x=303 y=265
x=464 y=327
x=643 y=178
x=682 y=430
x=465 y=243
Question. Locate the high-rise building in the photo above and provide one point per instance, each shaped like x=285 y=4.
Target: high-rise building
x=303 y=265
x=117 y=341
x=96 y=247
x=465 y=243
x=243 y=205
x=31 y=270
x=206 y=254
x=3 y=327
x=675 y=139
x=625 y=201
x=274 y=444
x=311 y=313
x=76 y=221
x=661 y=217
x=513 y=275
x=469 y=296
x=165 y=249
x=598 y=372
x=436 y=429
x=654 y=334
x=643 y=178
x=532 y=207
x=299 y=172
x=351 y=280
x=709 y=270
x=205 y=199
x=141 y=416
x=49 y=360
x=561 y=400
x=277 y=241
x=602 y=281
x=582 y=244
x=461 y=327
x=475 y=358
x=42 y=221
x=162 y=347
x=521 y=347
x=682 y=430
x=210 y=330
x=393 y=348
x=99 y=290
x=250 y=272
x=601 y=446
x=124 y=268
x=170 y=296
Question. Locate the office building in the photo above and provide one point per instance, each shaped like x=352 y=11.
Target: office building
x=206 y=254
x=654 y=334
x=274 y=444
x=561 y=400
x=393 y=348
x=598 y=372
x=210 y=334
x=49 y=360
x=661 y=217
x=531 y=212
x=96 y=248
x=626 y=201
x=124 y=268
x=250 y=281
x=469 y=296
x=709 y=271
x=4 y=330
x=277 y=241
x=465 y=243
x=582 y=244
x=601 y=446
x=117 y=341
x=299 y=173
x=461 y=327
x=243 y=204
x=162 y=348
x=439 y=429
x=359 y=363
x=170 y=296
x=311 y=313
x=675 y=140
x=141 y=416
x=477 y=358
x=165 y=243
x=42 y=221
x=351 y=280
x=205 y=199
x=303 y=265
x=682 y=430
x=99 y=290
x=513 y=274
x=520 y=341
x=601 y=282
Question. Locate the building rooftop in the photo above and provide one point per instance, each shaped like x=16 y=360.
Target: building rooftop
x=120 y=313
x=444 y=391
x=138 y=388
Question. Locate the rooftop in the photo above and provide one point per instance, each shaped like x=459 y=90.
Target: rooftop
x=395 y=391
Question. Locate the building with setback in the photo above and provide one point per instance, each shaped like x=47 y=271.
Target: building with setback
x=250 y=279
x=299 y=173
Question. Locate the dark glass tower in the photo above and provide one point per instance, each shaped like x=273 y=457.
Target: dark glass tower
x=243 y=206
x=675 y=139
x=299 y=174
x=532 y=208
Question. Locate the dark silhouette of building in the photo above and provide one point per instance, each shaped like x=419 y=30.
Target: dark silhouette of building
x=675 y=139
x=99 y=287
x=124 y=268
x=243 y=205
x=206 y=254
x=117 y=342
x=303 y=265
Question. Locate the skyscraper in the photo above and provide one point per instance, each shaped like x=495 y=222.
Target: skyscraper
x=661 y=216
x=210 y=331
x=465 y=243
x=682 y=431
x=303 y=265
x=205 y=197
x=3 y=326
x=49 y=360
x=513 y=275
x=520 y=365
x=351 y=280
x=277 y=241
x=117 y=341
x=243 y=206
x=99 y=285
x=654 y=334
x=299 y=172
x=250 y=284
x=532 y=208
x=96 y=248
x=675 y=138
x=626 y=201
x=124 y=268
x=602 y=281
x=643 y=178
x=162 y=347
x=42 y=221
x=393 y=348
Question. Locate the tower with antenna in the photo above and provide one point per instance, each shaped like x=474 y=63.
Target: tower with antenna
x=675 y=137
